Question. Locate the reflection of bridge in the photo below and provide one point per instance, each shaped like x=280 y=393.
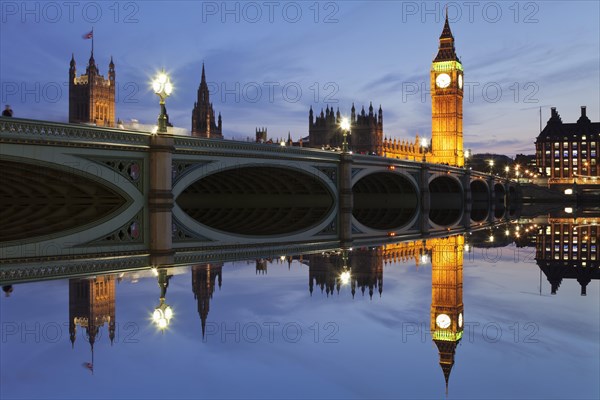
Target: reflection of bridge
x=73 y=189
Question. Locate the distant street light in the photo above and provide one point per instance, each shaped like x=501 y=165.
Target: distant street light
x=424 y=145
x=345 y=125
x=163 y=88
x=467 y=156
x=491 y=167
x=507 y=169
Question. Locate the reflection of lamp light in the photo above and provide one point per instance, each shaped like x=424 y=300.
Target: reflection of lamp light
x=163 y=88
x=345 y=276
x=163 y=312
x=162 y=315
x=345 y=125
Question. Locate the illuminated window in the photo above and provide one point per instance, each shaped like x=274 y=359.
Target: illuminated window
x=556 y=145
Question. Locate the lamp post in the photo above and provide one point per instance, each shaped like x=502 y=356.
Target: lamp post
x=424 y=144
x=517 y=172
x=467 y=156
x=506 y=169
x=163 y=88
x=163 y=312
x=491 y=167
x=345 y=125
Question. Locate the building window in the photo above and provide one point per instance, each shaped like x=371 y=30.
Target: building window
x=556 y=145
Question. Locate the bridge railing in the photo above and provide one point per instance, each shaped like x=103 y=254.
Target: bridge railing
x=20 y=130
x=240 y=147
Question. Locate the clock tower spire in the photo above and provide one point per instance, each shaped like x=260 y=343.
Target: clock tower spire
x=446 y=103
x=446 y=298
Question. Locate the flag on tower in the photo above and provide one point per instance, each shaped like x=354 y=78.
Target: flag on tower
x=89 y=35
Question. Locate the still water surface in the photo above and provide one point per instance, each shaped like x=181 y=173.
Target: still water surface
x=268 y=336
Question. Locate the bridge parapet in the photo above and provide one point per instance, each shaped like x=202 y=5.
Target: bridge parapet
x=17 y=130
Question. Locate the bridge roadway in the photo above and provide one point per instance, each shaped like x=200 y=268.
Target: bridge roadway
x=69 y=190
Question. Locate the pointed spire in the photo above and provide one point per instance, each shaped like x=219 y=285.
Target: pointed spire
x=203 y=74
x=72 y=60
x=446 y=32
x=111 y=64
x=446 y=50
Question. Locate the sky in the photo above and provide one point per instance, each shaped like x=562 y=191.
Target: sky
x=268 y=62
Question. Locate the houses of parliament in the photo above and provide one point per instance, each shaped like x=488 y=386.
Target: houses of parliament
x=92 y=100
x=366 y=129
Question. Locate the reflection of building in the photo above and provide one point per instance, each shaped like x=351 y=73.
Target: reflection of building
x=446 y=298
x=91 y=97
x=204 y=277
x=446 y=103
x=567 y=153
x=366 y=130
x=365 y=267
x=91 y=305
x=567 y=248
x=203 y=116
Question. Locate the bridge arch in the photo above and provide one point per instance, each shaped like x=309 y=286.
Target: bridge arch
x=385 y=200
x=499 y=200
x=258 y=200
x=480 y=200
x=446 y=201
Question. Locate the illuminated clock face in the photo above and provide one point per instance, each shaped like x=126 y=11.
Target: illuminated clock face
x=443 y=80
x=460 y=82
x=460 y=320
x=443 y=321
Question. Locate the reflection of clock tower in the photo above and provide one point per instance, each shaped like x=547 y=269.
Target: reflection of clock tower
x=446 y=103
x=446 y=298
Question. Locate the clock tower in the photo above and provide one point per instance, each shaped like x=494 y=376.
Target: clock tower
x=447 y=103
x=446 y=298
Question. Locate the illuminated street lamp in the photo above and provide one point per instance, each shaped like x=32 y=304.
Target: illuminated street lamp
x=491 y=167
x=506 y=169
x=424 y=145
x=345 y=125
x=467 y=156
x=517 y=171
x=163 y=88
x=163 y=312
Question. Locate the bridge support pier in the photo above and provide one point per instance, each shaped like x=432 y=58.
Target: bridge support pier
x=160 y=199
x=425 y=199
x=466 y=183
x=492 y=209
x=346 y=203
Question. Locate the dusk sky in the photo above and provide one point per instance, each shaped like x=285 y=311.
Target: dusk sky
x=268 y=62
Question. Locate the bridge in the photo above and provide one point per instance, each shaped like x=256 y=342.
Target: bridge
x=70 y=189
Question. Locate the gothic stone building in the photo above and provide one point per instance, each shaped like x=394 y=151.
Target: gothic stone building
x=91 y=96
x=203 y=116
x=366 y=130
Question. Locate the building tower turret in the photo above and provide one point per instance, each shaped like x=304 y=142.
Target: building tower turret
x=447 y=103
